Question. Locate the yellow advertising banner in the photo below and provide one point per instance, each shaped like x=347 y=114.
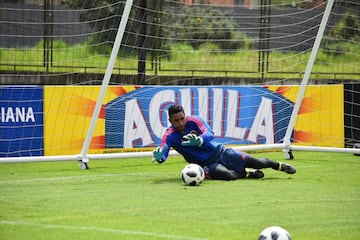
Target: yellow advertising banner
x=68 y=111
x=320 y=121
x=67 y=114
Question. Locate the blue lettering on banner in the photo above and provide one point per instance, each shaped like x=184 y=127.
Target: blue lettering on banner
x=21 y=121
x=237 y=115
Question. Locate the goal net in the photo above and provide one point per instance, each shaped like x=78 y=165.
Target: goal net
x=87 y=80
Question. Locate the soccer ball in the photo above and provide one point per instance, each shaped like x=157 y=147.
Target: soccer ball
x=192 y=174
x=274 y=233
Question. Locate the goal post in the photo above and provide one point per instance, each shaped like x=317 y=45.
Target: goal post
x=105 y=82
x=287 y=149
x=82 y=157
x=280 y=75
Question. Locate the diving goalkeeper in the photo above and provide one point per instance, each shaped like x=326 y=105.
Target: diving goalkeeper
x=193 y=138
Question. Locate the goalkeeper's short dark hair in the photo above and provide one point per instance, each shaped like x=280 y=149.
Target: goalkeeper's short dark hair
x=173 y=109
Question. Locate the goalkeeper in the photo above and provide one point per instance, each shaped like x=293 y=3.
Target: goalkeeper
x=193 y=138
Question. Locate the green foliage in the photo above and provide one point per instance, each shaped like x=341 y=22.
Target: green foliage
x=106 y=27
x=199 y=25
x=136 y=199
x=345 y=31
x=348 y=28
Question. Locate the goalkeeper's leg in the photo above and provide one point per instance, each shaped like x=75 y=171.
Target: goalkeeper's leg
x=259 y=163
x=218 y=171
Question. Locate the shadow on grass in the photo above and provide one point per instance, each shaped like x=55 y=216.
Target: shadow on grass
x=178 y=180
x=167 y=180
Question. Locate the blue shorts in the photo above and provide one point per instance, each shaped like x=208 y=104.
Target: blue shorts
x=231 y=159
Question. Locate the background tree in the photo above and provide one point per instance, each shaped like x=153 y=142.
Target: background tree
x=110 y=11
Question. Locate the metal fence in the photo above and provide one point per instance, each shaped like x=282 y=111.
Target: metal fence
x=41 y=25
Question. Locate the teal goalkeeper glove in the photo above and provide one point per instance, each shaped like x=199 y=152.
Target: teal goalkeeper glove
x=192 y=140
x=159 y=153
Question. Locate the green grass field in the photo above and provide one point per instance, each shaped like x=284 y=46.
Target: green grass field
x=136 y=199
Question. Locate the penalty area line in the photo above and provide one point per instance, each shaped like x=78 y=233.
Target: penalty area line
x=108 y=230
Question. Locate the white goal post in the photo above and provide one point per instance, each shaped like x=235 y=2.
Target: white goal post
x=126 y=119
x=105 y=82
x=288 y=146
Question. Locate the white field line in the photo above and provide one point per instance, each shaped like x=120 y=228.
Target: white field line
x=96 y=229
x=73 y=177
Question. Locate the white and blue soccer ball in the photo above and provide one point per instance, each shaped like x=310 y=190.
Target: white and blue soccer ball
x=274 y=233
x=192 y=175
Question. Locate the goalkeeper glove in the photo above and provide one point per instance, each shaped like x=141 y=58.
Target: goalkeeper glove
x=192 y=140
x=159 y=153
